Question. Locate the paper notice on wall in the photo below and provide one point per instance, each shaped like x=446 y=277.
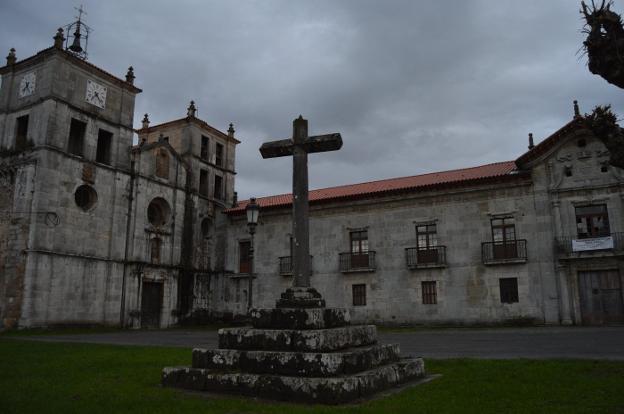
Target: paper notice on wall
x=598 y=243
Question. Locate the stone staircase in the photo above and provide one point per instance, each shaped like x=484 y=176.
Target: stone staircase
x=310 y=355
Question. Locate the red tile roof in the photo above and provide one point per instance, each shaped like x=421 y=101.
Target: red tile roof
x=465 y=176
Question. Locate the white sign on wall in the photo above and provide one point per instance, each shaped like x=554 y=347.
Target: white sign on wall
x=598 y=243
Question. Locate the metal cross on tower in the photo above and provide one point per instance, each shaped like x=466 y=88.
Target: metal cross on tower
x=299 y=147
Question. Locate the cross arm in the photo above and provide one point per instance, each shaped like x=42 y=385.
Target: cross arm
x=323 y=143
x=275 y=149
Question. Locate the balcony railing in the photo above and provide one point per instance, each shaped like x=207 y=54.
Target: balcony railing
x=511 y=251
x=286 y=265
x=613 y=242
x=357 y=261
x=433 y=256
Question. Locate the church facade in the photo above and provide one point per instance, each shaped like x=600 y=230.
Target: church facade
x=96 y=230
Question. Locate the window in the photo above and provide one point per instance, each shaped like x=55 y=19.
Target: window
x=359 y=248
x=219 y=155
x=158 y=212
x=429 y=294
x=244 y=259
x=104 y=143
x=85 y=197
x=155 y=247
x=203 y=182
x=206 y=228
x=21 y=133
x=77 y=131
x=218 y=187
x=162 y=164
x=426 y=241
x=592 y=221
x=508 y=289
x=359 y=295
x=205 y=142
x=504 y=238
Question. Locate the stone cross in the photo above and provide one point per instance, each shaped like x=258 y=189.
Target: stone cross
x=299 y=147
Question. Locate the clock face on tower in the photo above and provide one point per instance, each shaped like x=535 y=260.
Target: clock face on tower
x=96 y=94
x=27 y=85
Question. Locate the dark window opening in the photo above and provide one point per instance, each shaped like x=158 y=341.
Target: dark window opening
x=429 y=293
x=158 y=212
x=604 y=168
x=162 y=164
x=219 y=155
x=508 y=290
x=244 y=258
x=426 y=241
x=359 y=295
x=85 y=197
x=155 y=248
x=218 y=187
x=205 y=142
x=581 y=143
x=359 y=249
x=206 y=228
x=592 y=221
x=504 y=238
x=77 y=131
x=203 y=182
x=104 y=144
x=567 y=171
x=21 y=133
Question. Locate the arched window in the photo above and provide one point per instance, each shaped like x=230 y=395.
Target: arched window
x=158 y=212
x=162 y=164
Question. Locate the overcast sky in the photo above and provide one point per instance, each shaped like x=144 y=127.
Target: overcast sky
x=412 y=86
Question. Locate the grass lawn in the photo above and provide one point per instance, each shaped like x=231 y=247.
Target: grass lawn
x=38 y=377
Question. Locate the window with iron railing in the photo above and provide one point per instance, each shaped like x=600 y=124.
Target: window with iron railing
x=429 y=293
x=359 y=294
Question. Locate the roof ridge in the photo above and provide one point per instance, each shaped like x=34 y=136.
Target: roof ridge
x=411 y=176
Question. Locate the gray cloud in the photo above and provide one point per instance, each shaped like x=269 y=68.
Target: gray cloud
x=413 y=87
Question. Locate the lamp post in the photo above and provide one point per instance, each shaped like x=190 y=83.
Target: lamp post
x=253 y=211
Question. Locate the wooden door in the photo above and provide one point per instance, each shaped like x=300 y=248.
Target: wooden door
x=151 y=304
x=601 y=297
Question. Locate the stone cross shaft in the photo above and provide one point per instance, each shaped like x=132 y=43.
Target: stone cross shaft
x=299 y=147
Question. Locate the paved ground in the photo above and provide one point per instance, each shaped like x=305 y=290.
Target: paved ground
x=538 y=342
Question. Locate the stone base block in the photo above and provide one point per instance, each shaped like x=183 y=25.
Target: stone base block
x=300 y=297
x=313 y=340
x=328 y=390
x=299 y=318
x=305 y=364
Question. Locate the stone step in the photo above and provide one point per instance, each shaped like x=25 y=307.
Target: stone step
x=323 y=390
x=299 y=318
x=306 y=364
x=312 y=340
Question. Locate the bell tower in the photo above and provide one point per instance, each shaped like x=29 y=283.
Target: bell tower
x=66 y=129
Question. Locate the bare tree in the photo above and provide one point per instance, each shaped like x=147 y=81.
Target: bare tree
x=605 y=52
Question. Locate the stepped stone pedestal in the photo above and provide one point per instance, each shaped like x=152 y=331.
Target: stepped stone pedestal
x=305 y=354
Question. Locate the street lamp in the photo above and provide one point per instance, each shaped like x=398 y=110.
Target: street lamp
x=253 y=211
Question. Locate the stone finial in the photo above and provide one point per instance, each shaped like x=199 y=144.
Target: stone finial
x=577 y=112
x=145 y=122
x=11 y=59
x=59 y=38
x=231 y=131
x=130 y=75
x=531 y=144
x=191 y=110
